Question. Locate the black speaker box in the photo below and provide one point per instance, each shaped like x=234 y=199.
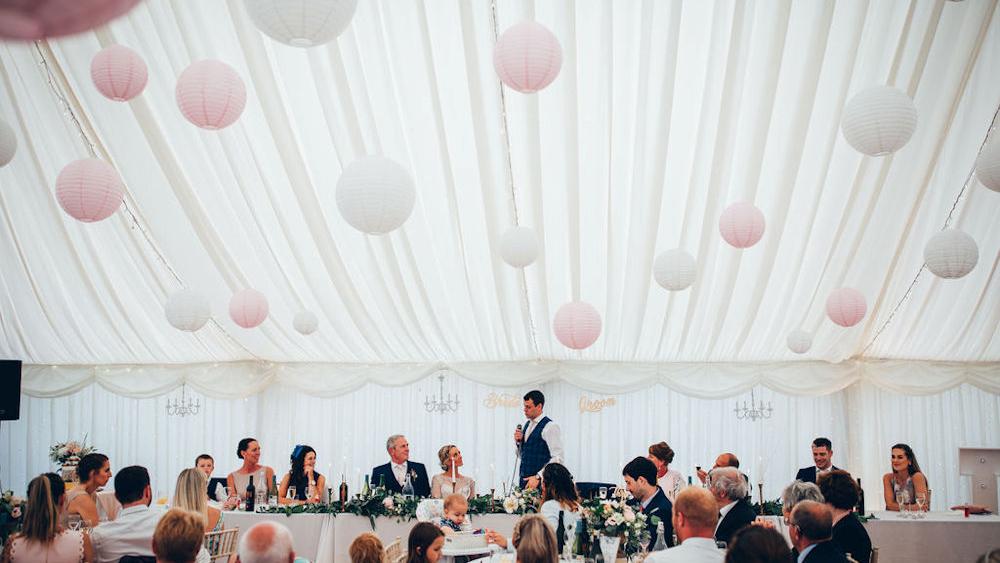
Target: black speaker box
x=10 y=389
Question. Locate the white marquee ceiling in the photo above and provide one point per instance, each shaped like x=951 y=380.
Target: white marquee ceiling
x=664 y=113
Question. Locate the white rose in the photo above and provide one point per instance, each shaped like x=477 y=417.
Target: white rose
x=510 y=504
x=387 y=502
x=629 y=515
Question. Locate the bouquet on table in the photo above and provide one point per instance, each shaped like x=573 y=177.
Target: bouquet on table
x=11 y=512
x=617 y=524
x=521 y=501
x=68 y=454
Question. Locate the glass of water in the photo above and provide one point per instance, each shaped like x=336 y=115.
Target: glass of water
x=603 y=492
x=292 y=490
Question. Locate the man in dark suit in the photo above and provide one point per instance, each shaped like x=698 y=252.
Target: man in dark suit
x=640 y=480
x=730 y=491
x=822 y=449
x=395 y=473
x=810 y=531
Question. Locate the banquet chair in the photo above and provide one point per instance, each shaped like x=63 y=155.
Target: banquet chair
x=394 y=550
x=874 y=558
x=220 y=545
x=430 y=509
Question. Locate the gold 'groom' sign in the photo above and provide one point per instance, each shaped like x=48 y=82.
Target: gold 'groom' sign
x=595 y=405
x=501 y=400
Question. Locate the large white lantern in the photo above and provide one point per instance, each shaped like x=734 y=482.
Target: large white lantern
x=879 y=120
x=951 y=254
x=519 y=246
x=800 y=341
x=675 y=269
x=375 y=195
x=987 y=163
x=302 y=23
x=305 y=322
x=187 y=310
x=8 y=143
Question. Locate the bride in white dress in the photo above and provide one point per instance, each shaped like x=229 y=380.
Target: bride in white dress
x=450 y=480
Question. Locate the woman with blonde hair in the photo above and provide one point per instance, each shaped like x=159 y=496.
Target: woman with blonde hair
x=535 y=541
x=41 y=537
x=450 y=481
x=191 y=494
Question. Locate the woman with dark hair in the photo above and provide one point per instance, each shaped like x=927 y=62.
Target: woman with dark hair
x=905 y=482
x=841 y=494
x=308 y=483
x=424 y=543
x=42 y=538
x=94 y=472
x=249 y=451
x=758 y=544
x=670 y=480
x=560 y=500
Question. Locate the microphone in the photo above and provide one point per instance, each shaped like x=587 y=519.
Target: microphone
x=521 y=441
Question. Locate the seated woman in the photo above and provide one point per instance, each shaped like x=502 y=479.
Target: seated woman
x=841 y=494
x=424 y=543
x=308 y=483
x=905 y=482
x=94 y=472
x=450 y=481
x=559 y=497
x=249 y=451
x=189 y=494
x=42 y=538
x=670 y=480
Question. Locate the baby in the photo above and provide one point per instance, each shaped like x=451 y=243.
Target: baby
x=455 y=508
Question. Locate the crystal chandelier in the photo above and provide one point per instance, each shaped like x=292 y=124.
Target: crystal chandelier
x=442 y=405
x=755 y=411
x=184 y=406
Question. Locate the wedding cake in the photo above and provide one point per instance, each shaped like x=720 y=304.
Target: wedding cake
x=465 y=540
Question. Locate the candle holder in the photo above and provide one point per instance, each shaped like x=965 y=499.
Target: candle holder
x=760 y=492
x=493 y=496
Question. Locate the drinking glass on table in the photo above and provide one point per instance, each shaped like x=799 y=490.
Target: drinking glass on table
x=921 y=502
x=291 y=492
x=75 y=522
x=902 y=499
x=603 y=491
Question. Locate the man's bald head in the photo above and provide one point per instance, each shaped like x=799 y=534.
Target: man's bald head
x=266 y=542
x=695 y=513
x=813 y=520
x=727 y=460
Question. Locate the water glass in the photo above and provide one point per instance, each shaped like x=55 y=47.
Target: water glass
x=901 y=499
x=603 y=491
x=291 y=492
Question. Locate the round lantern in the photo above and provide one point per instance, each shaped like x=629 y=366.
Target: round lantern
x=518 y=246
x=302 y=23
x=89 y=190
x=988 y=164
x=846 y=306
x=248 y=308
x=211 y=94
x=8 y=143
x=305 y=322
x=951 y=254
x=119 y=73
x=800 y=341
x=577 y=325
x=675 y=269
x=879 y=120
x=527 y=57
x=741 y=225
x=187 y=310
x=37 y=19
x=375 y=195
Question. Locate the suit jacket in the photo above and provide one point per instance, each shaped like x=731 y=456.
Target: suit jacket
x=850 y=535
x=738 y=516
x=418 y=476
x=825 y=552
x=808 y=474
x=660 y=507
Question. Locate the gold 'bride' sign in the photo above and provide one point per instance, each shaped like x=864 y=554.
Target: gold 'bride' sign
x=501 y=400
x=595 y=405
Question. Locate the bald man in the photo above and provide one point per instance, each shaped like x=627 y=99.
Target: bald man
x=695 y=515
x=266 y=542
x=811 y=529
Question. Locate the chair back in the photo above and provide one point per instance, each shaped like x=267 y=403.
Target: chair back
x=430 y=509
x=394 y=550
x=220 y=545
x=400 y=559
x=874 y=558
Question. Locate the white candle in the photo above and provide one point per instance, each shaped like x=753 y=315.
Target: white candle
x=453 y=472
x=493 y=476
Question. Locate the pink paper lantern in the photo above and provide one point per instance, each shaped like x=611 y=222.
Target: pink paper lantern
x=118 y=72
x=248 y=308
x=846 y=306
x=211 y=94
x=741 y=225
x=37 y=19
x=577 y=325
x=89 y=190
x=527 y=57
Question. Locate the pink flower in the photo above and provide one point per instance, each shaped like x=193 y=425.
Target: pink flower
x=387 y=503
x=15 y=513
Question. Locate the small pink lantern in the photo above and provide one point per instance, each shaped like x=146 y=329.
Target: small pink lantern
x=36 y=19
x=527 y=57
x=211 y=94
x=118 y=72
x=577 y=325
x=741 y=225
x=846 y=306
x=248 y=308
x=89 y=190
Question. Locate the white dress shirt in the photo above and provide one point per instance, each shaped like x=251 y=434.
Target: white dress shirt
x=552 y=437
x=130 y=534
x=722 y=513
x=693 y=550
x=399 y=470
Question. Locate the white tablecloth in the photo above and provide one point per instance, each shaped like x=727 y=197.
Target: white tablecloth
x=941 y=536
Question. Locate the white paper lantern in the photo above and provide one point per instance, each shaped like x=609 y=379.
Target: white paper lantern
x=302 y=23
x=951 y=254
x=987 y=164
x=8 y=143
x=519 y=246
x=800 y=341
x=187 y=310
x=880 y=120
x=375 y=195
x=675 y=269
x=305 y=322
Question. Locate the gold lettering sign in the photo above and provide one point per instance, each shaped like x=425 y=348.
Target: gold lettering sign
x=595 y=405
x=501 y=400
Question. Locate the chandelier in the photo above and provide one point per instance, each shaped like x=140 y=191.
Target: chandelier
x=442 y=405
x=755 y=411
x=184 y=406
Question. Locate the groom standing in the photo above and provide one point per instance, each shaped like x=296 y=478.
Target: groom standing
x=394 y=473
x=539 y=442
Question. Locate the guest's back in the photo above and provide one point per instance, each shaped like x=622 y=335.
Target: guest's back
x=757 y=544
x=42 y=539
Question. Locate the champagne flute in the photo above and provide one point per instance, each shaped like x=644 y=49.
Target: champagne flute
x=921 y=500
x=291 y=492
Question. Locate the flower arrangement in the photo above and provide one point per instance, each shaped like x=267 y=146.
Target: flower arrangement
x=521 y=501
x=11 y=511
x=63 y=452
x=615 y=518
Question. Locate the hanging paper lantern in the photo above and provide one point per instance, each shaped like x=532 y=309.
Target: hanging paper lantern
x=375 y=195
x=951 y=254
x=119 y=73
x=37 y=19
x=675 y=269
x=302 y=23
x=577 y=325
x=89 y=190
x=211 y=94
x=527 y=57
x=988 y=164
x=248 y=308
x=800 y=341
x=518 y=246
x=846 y=306
x=8 y=143
x=187 y=310
x=305 y=322
x=741 y=225
x=879 y=120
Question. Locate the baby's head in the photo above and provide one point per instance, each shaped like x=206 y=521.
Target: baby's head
x=455 y=508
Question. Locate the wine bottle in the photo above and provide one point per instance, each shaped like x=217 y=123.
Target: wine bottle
x=366 y=491
x=381 y=485
x=272 y=492
x=343 y=492
x=408 y=487
x=861 y=499
x=595 y=550
x=250 y=497
x=580 y=540
x=661 y=543
x=560 y=533
x=689 y=480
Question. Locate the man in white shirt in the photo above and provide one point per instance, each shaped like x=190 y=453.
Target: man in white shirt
x=266 y=542
x=538 y=442
x=695 y=515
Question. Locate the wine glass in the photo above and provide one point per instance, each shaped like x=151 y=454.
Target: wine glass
x=921 y=501
x=902 y=498
x=291 y=492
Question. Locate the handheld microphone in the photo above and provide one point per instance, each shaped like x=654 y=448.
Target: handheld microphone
x=521 y=441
